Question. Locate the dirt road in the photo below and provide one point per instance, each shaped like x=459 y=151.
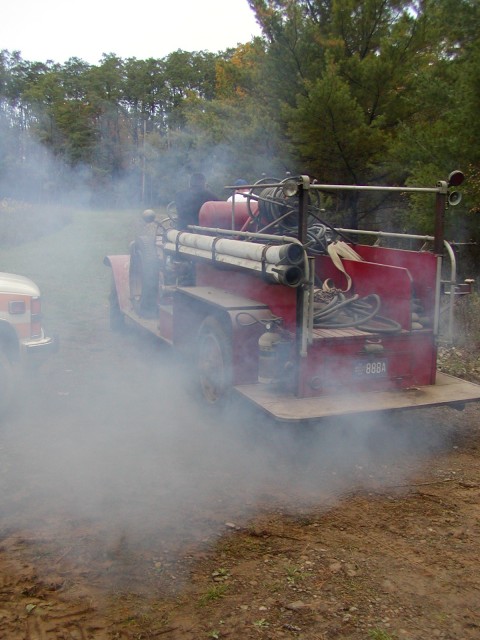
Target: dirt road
x=128 y=512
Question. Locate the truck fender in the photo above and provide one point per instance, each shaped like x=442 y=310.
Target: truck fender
x=120 y=266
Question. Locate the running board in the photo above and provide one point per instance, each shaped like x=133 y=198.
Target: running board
x=446 y=391
x=152 y=325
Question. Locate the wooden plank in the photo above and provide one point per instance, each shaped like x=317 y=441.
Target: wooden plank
x=339 y=333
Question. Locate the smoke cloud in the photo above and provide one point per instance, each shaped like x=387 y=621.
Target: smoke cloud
x=109 y=434
x=120 y=443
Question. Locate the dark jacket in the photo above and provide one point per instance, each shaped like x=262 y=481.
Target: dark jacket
x=189 y=202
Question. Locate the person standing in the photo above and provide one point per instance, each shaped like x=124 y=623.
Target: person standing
x=240 y=194
x=189 y=201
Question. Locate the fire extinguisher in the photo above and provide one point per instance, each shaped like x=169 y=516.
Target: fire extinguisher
x=268 y=354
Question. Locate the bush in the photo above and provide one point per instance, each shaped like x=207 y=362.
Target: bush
x=462 y=358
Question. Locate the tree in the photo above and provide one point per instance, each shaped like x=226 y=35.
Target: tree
x=353 y=86
x=443 y=132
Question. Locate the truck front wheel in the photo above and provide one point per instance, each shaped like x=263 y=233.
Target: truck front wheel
x=143 y=276
x=214 y=361
x=117 y=319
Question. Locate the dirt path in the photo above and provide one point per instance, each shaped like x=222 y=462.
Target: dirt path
x=130 y=513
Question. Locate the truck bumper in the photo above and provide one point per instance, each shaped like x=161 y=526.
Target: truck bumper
x=447 y=390
x=36 y=350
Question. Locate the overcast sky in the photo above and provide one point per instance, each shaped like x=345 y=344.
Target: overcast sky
x=57 y=30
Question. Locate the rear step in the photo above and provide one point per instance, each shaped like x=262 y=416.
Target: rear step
x=446 y=391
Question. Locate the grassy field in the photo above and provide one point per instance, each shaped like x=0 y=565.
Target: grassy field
x=68 y=264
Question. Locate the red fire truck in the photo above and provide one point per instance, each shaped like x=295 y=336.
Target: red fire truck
x=303 y=319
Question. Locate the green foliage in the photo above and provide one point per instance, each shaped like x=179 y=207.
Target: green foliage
x=381 y=93
x=338 y=143
x=349 y=91
x=461 y=358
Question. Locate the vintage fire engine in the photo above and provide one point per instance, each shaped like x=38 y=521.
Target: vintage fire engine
x=300 y=318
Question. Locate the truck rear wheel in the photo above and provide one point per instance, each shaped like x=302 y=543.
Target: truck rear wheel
x=214 y=361
x=6 y=382
x=143 y=276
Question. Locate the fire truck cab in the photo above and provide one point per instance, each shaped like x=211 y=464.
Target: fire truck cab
x=300 y=318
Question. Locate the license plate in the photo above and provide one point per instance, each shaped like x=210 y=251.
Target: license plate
x=371 y=368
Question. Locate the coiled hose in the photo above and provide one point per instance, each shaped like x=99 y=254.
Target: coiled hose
x=333 y=310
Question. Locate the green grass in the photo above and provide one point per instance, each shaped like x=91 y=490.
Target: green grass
x=379 y=634
x=214 y=593
x=68 y=264
x=294 y=574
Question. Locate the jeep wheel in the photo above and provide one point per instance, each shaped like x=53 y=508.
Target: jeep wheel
x=6 y=382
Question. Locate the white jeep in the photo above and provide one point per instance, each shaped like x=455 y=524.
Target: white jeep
x=23 y=342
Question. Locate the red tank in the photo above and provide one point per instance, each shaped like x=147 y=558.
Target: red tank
x=220 y=214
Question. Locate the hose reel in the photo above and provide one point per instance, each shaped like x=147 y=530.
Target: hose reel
x=278 y=209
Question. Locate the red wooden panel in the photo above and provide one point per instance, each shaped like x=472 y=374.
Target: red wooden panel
x=422 y=266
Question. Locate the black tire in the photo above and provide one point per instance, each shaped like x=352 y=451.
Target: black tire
x=117 y=319
x=214 y=362
x=6 y=382
x=143 y=276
